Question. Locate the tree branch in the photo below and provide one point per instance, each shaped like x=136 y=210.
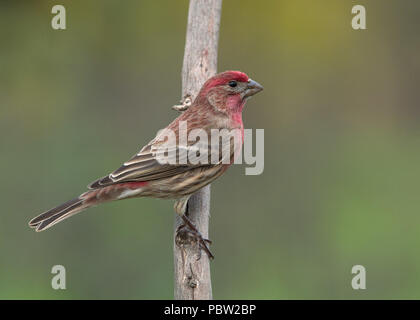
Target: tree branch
x=192 y=274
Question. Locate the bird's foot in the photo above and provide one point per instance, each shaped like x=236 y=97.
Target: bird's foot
x=188 y=227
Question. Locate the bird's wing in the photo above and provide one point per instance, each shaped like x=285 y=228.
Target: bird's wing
x=162 y=158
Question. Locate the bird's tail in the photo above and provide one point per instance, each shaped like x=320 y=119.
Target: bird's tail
x=84 y=201
x=66 y=210
x=61 y=212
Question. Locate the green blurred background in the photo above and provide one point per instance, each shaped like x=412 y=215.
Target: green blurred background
x=341 y=116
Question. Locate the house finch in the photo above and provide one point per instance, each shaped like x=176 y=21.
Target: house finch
x=218 y=105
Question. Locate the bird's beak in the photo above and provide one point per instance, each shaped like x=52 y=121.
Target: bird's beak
x=252 y=88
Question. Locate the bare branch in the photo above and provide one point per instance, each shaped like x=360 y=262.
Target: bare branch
x=192 y=269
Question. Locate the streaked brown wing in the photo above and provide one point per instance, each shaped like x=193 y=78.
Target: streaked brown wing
x=143 y=167
x=146 y=165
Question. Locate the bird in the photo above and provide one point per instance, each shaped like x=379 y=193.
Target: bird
x=217 y=106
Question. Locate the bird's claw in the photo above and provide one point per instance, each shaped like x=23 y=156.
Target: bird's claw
x=190 y=228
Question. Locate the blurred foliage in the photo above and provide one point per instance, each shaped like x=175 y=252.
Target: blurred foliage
x=341 y=116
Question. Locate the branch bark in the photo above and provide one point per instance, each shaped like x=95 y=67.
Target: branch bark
x=192 y=274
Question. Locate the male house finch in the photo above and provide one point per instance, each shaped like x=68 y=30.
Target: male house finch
x=218 y=105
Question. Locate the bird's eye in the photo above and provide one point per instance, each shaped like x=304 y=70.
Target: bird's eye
x=233 y=83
